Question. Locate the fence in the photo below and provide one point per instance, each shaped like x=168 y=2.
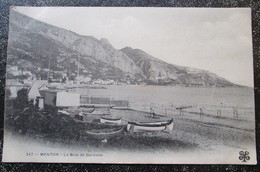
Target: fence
x=103 y=100
x=200 y=110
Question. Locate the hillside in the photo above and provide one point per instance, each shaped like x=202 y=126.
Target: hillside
x=158 y=71
x=33 y=45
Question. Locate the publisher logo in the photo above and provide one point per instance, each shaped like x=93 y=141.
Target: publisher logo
x=244 y=156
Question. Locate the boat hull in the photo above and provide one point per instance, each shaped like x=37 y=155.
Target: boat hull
x=156 y=123
x=147 y=128
x=101 y=134
x=169 y=127
x=150 y=126
x=110 y=121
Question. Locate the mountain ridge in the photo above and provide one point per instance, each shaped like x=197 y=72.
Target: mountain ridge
x=31 y=40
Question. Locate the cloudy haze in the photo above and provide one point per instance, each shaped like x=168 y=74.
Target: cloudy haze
x=217 y=40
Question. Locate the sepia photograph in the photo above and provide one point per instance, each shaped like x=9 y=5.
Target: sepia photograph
x=129 y=85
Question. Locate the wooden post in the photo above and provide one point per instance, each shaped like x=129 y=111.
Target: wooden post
x=235 y=112
x=127 y=102
x=181 y=112
x=201 y=113
x=219 y=112
x=152 y=112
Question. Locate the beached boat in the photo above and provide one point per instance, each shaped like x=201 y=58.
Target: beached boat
x=169 y=126
x=150 y=126
x=87 y=110
x=99 y=111
x=157 y=122
x=102 y=134
x=63 y=112
x=116 y=121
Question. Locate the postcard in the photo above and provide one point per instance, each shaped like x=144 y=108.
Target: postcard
x=129 y=85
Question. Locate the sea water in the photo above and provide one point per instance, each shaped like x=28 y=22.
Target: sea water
x=170 y=97
x=241 y=96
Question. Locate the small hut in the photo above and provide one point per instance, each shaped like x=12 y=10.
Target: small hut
x=60 y=98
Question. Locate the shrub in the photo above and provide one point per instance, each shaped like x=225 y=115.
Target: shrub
x=29 y=119
x=21 y=100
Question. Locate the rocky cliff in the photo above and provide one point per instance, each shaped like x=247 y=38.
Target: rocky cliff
x=158 y=71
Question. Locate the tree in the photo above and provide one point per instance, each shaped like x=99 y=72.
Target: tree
x=21 y=100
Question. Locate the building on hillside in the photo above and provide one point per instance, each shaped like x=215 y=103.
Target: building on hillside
x=28 y=73
x=83 y=79
x=13 y=70
x=104 y=82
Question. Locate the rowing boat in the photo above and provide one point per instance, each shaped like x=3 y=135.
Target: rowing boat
x=150 y=126
x=63 y=112
x=102 y=134
x=99 y=111
x=157 y=122
x=87 y=110
x=116 y=121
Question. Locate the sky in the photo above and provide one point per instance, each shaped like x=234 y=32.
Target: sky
x=214 y=39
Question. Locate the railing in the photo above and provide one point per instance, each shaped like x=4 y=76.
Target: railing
x=103 y=100
x=222 y=110
x=171 y=109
